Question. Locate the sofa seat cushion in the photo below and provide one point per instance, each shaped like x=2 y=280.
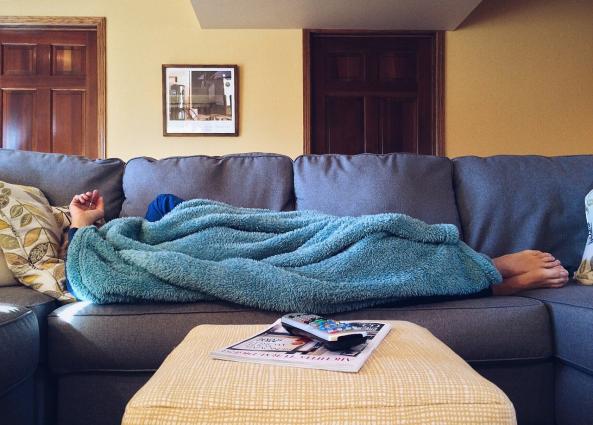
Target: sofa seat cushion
x=39 y=303
x=21 y=296
x=511 y=203
x=416 y=185
x=571 y=309
x=19 y=346
x=86 y=337
x=243 y=180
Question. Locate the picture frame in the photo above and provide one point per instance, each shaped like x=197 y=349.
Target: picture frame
x=200 y=100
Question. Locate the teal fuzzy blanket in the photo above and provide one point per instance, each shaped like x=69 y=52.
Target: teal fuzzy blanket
x=282 y=261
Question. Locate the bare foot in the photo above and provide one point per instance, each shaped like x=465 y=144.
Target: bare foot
x=554 y=277
x=525 y=261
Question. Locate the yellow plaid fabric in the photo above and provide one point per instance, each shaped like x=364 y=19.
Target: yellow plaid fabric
x=412 y=378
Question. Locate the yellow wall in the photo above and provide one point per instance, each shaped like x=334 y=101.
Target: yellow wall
x=144 y=34
x=519 y=79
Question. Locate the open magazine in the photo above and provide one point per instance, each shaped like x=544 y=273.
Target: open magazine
x=275 y=346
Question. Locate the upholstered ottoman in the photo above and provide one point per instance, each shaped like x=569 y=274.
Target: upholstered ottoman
x=19 y=354
x=412 y=378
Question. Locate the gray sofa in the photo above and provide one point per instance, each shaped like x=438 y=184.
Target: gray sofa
x=86 y=361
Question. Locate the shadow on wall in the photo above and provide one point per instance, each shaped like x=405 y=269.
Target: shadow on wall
x=492 y=10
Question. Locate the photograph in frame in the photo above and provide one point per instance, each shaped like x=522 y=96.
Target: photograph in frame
x=200 y=100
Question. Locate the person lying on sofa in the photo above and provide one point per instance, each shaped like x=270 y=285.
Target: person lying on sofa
x=520 y=271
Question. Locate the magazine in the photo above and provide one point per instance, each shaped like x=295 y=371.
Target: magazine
x=275 y=346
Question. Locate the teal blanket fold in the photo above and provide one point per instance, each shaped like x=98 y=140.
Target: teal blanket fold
x=281 y=261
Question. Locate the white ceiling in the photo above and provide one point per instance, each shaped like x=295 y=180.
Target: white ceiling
x=334 y=14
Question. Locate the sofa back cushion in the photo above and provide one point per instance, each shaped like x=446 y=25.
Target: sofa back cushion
x=245 y=180
x=60 y=177
x=416 y=185
x=511 y=203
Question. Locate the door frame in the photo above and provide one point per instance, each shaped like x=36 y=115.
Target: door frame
x=438 y=81
x=68 y=22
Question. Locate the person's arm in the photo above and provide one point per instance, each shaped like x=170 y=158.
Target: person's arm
x=85 y=209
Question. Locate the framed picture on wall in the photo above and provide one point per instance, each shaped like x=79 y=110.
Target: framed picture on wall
x=200 y=100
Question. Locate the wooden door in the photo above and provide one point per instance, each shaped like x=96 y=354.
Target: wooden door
x=48 y=89
x=372 y=92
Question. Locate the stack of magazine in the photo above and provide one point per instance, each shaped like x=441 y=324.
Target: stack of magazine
x=276 y=346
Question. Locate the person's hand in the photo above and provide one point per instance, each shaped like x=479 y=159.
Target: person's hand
x=86 y=208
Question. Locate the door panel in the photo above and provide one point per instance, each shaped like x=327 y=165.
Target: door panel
x=345 y=67
x=371 y=92
x=397 y=65
x=68 y=117
x=19 y=59
x=345 y=131
x=18 y=112
x=49 y=84
x=399 y=131
x=68 y=60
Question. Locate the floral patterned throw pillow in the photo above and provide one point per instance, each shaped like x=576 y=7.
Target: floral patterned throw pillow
x=31 y=234
x=584 y=274
x=6 y=276
x=64 y=219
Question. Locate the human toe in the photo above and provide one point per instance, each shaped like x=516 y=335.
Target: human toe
x=546 y=274
x=546 y=256
x=552 y=264
x=559 y=272
x=556 y=283
x=532 y=252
